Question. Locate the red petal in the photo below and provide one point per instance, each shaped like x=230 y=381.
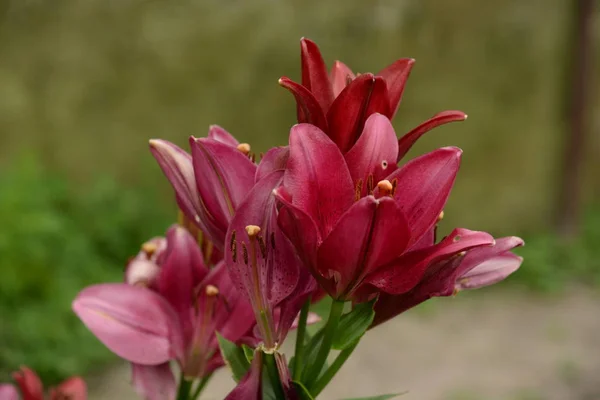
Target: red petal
x=309 y=110
x=153 y=382
x=408 y=140
x=219 y=134
x=317 y=177
x=340 y=77
x=9 y=392
x=73 y=389
x=314 y=73
x=423 y=187
x=395 y=76
x=29 y=383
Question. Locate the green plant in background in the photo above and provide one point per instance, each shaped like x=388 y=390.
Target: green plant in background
x=55 y=238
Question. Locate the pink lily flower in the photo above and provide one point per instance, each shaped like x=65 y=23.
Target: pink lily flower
x=353 y=215
x=476 y=268
x=167 y=311
x=339 y=103
x=31 y=388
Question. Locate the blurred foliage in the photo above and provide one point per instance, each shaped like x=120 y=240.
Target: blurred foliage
x=56 y=238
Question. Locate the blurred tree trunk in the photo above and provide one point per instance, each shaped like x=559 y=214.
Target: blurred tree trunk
x=577 y=84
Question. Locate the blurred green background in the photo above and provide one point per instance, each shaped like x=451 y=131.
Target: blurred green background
x=85 y=84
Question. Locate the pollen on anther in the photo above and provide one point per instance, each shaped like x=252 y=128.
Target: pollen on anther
x=211 y=290
x=358 y=190
x=273 y=240
x=149 y=248
x=441 y=216
x=370 y=184
x=252 y=230
x=245 y=253
x=385 y=187
x=263 y=247
x=233 y=247
x=244 y=148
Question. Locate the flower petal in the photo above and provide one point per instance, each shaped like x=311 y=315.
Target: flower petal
x=314 y=73
x=403 y=274
x=9 y=392
x=340 y=77
x=134 y=322
x=317 y=177
x=374 y=153
x=250 y=387
x=30 y=384
x=423 y=187
x=274 y=160
x=215 y=132
x=73 y=388
x=224 y=176
x=372 y=233
x=348 y=112
x=408 y=140
x=395 y=76
x=309 y=109
x=153 y=382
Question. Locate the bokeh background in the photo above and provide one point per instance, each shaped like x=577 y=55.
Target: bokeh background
x=84 y=85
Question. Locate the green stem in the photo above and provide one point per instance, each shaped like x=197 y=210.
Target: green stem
x=337 y=307
x=201 y=386
x=332 y=370
x=273 y=373
x=184 y=388
x=301 y=332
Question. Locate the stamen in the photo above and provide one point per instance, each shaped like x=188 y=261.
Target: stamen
x=233 y=247
x=441 y=216
x=394 y=186
x=385 y=187
x=252 y=231
x=149 y=248
x=253 y=157
x=263 y=247
x=245 y=253
x=358 y=190
x=370 y=184
x=244 y=148
x=273 y=240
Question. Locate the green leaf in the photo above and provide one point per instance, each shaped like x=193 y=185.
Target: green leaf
x=353 y=325
x=302 y=391
x=380 y=397
x=248 y=352
x=235 y=357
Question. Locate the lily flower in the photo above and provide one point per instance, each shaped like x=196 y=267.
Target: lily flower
x=31 y=388
x=172 y=315
x=339 y=103
x=352 y=215
x=474 y=269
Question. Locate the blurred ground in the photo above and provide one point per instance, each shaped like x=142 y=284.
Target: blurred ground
x=492 y=346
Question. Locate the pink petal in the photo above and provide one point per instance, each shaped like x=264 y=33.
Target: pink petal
x=134 y=322
x=405 y=273
x=250 y=387
x=423 y=187
x=314 y=73
x=395 y=76
x=9 y=392
x=309 y=109
x=374 y=153
x=153 y=382
x=73 y=389
x=224 y=176
x=340 y=77
x=371 y=233
x=317 y=177
x=408 y=140
x=274 y=160
x=30 y=384
x=219 y=134
x=348 y=112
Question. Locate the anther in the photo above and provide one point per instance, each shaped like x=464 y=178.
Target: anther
x=394 y=186
x=149 y=248
x=441 y=216
x=233 y=247
x=385 y=187
x=358 y=190
x=263 y=247
x=273 y=240
x=211 y=290
x=370 y=184
x=245 y=253
x=244 y=148
x=252 y=231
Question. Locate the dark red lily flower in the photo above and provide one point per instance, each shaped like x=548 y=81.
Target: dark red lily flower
x=351 y=216
x=31 y=388
x=479 y=267
x=339 y=103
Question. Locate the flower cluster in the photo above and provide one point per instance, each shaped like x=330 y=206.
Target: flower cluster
x=331 y=214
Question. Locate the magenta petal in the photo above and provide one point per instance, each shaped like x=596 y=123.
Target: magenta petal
x=405 y=273
x=153 y=382
x=374 y=153
x=408 y=140
x=317 y=177
x=395 y=76
x=134 y=322
x=423 y=187
x=309 y=109
x=224 y=176
x=371 y=233
x=182 y=270
x=348 y=112
x=340 y=77
x=177 y=166
x=250 y=387
x=9 y=392
x=314 y=73
x=274 y=160
x=219 y=134
x=378 y=100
